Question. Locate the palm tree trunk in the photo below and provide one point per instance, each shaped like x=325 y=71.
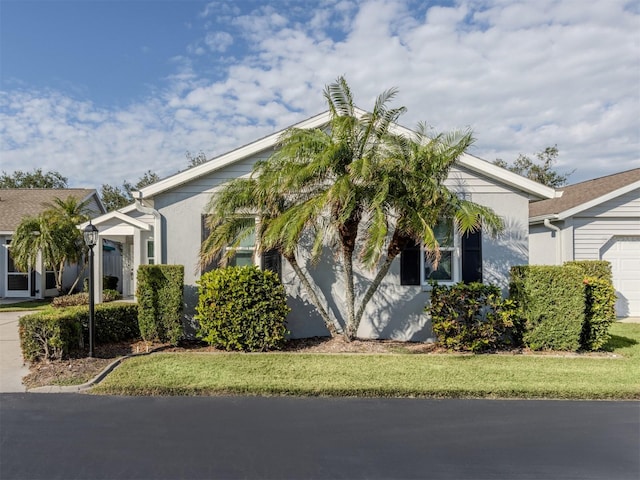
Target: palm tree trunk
x=84 y=267
x=352 y=328
x=332 y=325
x=373 y=287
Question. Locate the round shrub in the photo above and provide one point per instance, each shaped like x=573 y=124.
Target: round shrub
x=242 y=308
x=473 y=317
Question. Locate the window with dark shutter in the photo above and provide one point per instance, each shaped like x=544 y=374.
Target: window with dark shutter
x=271 y=260
x=472 y=257
x=410 y=264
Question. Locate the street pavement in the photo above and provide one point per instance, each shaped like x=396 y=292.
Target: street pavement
x=79 y=436
x=12 y=366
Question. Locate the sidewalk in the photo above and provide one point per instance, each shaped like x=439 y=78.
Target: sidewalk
x=12 y=366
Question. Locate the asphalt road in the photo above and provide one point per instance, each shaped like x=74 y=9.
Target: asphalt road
x=71 y=436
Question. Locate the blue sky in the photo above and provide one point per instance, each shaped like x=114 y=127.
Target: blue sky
x=103 y=91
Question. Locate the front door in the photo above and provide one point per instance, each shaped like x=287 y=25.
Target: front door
x=18 y=283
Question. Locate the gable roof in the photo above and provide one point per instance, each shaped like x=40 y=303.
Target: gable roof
x=475 y=164
x=581 y=196
x=17 y=203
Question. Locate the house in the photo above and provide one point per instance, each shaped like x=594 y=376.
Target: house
x=16 y=204
x=166 y=225
x=594 y=220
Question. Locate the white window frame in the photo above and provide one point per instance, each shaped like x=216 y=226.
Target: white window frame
x=456 y=262
x=151 y=259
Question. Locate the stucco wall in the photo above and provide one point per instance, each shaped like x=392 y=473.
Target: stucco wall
x=395 y=311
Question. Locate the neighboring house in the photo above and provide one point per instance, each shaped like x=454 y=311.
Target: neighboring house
x=594 y=220
x=166 y=226
x=16 y=204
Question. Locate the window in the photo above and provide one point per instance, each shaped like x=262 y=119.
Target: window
x=150 y=251
x=460 y=259
x=245 y=254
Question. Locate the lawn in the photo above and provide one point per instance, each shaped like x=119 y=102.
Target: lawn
x=26 y=306
x=613 y=376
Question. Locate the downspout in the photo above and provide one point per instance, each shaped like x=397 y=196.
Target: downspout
x=157 y=225
x=550 y=226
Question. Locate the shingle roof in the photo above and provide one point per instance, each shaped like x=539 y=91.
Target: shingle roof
x=17 y=203
x=580 y=193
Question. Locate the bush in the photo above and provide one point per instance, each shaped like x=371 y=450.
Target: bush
x=54 y=334
x=551 y=302
x=473 y=317
x=82 y=298
x=74 y=299
x=600 y=313
x=49 y=335
x=160 y=291
x=242 y=308
x=110 y=282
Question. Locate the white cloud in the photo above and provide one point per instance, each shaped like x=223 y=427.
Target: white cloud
x=522 y=76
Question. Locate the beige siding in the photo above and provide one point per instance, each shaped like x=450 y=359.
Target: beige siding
x=463 y=180
x=591 y=234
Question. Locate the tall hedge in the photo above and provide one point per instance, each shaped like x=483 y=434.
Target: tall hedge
x=160 y=302
x=593 y=268
x=242 y=308
x=600 y=301
x=552 y=303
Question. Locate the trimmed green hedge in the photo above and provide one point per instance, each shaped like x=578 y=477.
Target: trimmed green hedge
x=600 y=313
x=593 y=268
x=242 y=308
x=160 y=302
x=58 y=333
x=551 y=300
x=473 y=317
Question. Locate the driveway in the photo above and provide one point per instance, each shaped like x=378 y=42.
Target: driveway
x=12 y=367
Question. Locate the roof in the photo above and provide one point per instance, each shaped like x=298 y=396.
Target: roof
x=17 y=203
x=581 y=196
x=475 y=164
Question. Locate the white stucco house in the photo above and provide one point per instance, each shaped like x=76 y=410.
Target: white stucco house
x=594 y=220
x=165 y=225
x=16 y=204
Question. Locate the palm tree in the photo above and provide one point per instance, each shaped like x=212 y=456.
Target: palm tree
x=54 y=235
x=354 y=177
x=411 y=198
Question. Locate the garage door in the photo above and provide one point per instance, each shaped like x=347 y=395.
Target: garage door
x=624 y=255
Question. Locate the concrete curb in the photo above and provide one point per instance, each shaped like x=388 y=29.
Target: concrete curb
x=91 y=383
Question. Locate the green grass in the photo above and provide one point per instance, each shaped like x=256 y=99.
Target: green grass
x=27 y=305
x=390 y=375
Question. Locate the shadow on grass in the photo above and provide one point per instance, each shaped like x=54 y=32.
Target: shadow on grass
x=616 y=341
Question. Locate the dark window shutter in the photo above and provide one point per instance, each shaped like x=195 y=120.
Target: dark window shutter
x=270 y=260
x=472 y=257
x=410 y=265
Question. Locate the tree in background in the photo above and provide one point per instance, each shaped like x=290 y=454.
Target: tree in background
x=35 y=179
x=196 y=160
x=540 y=170
x=115 y=197
x=54 y=235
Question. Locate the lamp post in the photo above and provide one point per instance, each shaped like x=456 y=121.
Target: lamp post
x=90 y=233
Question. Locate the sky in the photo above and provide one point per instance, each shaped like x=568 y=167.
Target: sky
x=103 y=91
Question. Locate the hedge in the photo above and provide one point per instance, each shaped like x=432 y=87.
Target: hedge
x=160 y=302
x=58 y=333
x=593 y=268
x=551 y=300
x=242 y=308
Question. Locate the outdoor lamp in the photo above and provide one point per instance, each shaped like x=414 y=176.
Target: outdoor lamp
x=90 y=233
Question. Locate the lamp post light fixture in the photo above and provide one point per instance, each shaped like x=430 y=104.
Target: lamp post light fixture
x=90 y=233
